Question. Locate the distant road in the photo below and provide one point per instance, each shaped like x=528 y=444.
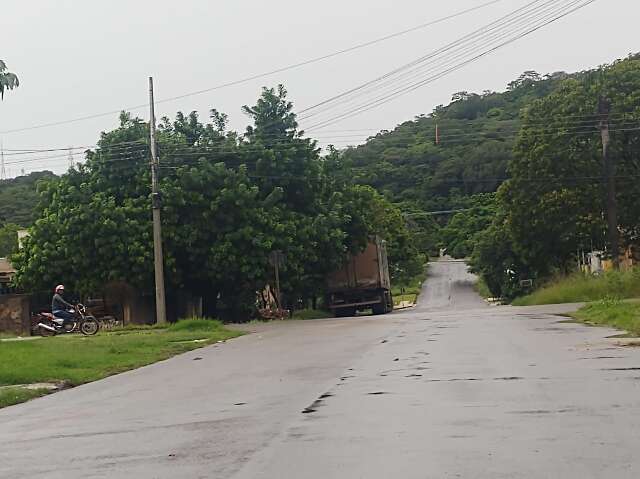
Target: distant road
x=450 y=389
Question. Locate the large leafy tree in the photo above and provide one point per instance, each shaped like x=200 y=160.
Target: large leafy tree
x=554 y=204
x=8 y=80
x=287 y=167
x=555 y=198
x=228 y=203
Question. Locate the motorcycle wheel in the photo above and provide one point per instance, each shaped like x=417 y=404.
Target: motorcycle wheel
x=69 y=327
x=89 y=326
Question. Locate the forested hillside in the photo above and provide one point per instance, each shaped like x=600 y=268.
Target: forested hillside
x=18 y=198
x=468 y=154
x=526 y=168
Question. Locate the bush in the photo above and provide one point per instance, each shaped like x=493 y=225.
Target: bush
x=585 y=288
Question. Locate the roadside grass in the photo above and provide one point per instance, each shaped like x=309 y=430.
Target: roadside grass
x=482 y=289
x=306 y=314
x=75 y=359
x=613 y=313
x=583 y=288
x=409 y=297
x=11 y=396
x=410 y=289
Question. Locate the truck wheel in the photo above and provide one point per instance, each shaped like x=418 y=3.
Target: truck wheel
x=381 y=307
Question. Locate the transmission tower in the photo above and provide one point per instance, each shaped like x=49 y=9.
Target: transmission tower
x=71 y=160
x=3 y=171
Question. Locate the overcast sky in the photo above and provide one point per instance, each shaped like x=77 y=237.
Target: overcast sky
x=82 y=57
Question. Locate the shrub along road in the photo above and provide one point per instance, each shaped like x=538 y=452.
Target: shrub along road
x=451 y=388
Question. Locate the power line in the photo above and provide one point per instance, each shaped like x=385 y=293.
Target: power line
x=264 y=74
x=242 y=149
x=411 y=87
x=398 y=72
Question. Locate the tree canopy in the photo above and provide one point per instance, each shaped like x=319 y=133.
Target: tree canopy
x=228 y=201
x=8 y=80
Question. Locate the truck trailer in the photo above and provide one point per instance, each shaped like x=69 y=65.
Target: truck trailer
x=362 y=283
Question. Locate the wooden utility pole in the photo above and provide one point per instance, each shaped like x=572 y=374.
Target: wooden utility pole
x=161 y=311
x=609 y=170
x=276 y=260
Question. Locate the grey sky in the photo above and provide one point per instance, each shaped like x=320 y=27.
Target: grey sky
x=80 y=57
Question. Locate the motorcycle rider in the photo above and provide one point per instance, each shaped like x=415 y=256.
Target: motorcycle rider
x=60 y=308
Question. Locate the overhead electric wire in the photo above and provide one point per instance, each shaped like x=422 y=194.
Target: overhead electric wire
x=415 y=65
x=455 y=130
x=247 y=148
x=406 y=89
x=263 y=74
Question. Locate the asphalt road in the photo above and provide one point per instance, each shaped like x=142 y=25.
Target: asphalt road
x=452 y=388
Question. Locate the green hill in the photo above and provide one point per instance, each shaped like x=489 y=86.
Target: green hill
x=18 y=198
x=476 y=137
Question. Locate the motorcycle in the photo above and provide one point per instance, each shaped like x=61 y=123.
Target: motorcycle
x=47 y=324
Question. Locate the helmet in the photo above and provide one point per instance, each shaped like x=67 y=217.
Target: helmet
x=59 y=288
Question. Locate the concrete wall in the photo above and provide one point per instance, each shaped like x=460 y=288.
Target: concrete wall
x=15 y=314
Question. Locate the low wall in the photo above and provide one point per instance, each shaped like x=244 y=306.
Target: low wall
x=15 y=314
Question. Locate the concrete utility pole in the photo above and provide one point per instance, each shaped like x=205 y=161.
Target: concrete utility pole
x=161 y=311
x=609 y=170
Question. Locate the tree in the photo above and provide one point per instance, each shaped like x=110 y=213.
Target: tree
x=459 y=235
x=8 y=80
x=228 y=202
x=8 y=239
x=555 y=199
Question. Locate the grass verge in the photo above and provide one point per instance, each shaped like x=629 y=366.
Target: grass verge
x=580 y=288
x=482 y=289
x=75 y=359
x=410 y=289
x=304 y=314
x=614 y=313
x=11 y=396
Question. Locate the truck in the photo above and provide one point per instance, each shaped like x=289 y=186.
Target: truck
x=362 y=283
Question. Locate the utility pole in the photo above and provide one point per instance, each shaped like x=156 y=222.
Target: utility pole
x=276 y=259
x=161 y=311
x=3 y=172
x=609 y=170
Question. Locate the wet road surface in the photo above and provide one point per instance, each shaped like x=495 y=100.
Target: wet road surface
x=451 y=388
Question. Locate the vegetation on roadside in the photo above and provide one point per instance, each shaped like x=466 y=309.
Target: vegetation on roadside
x=520 y=170
x=75 y=359
x=410 y=289
x=305 y=314
x=578 y=288
x=612 y=312
x=229 y=200
x=482 y=289
x=16 y=395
